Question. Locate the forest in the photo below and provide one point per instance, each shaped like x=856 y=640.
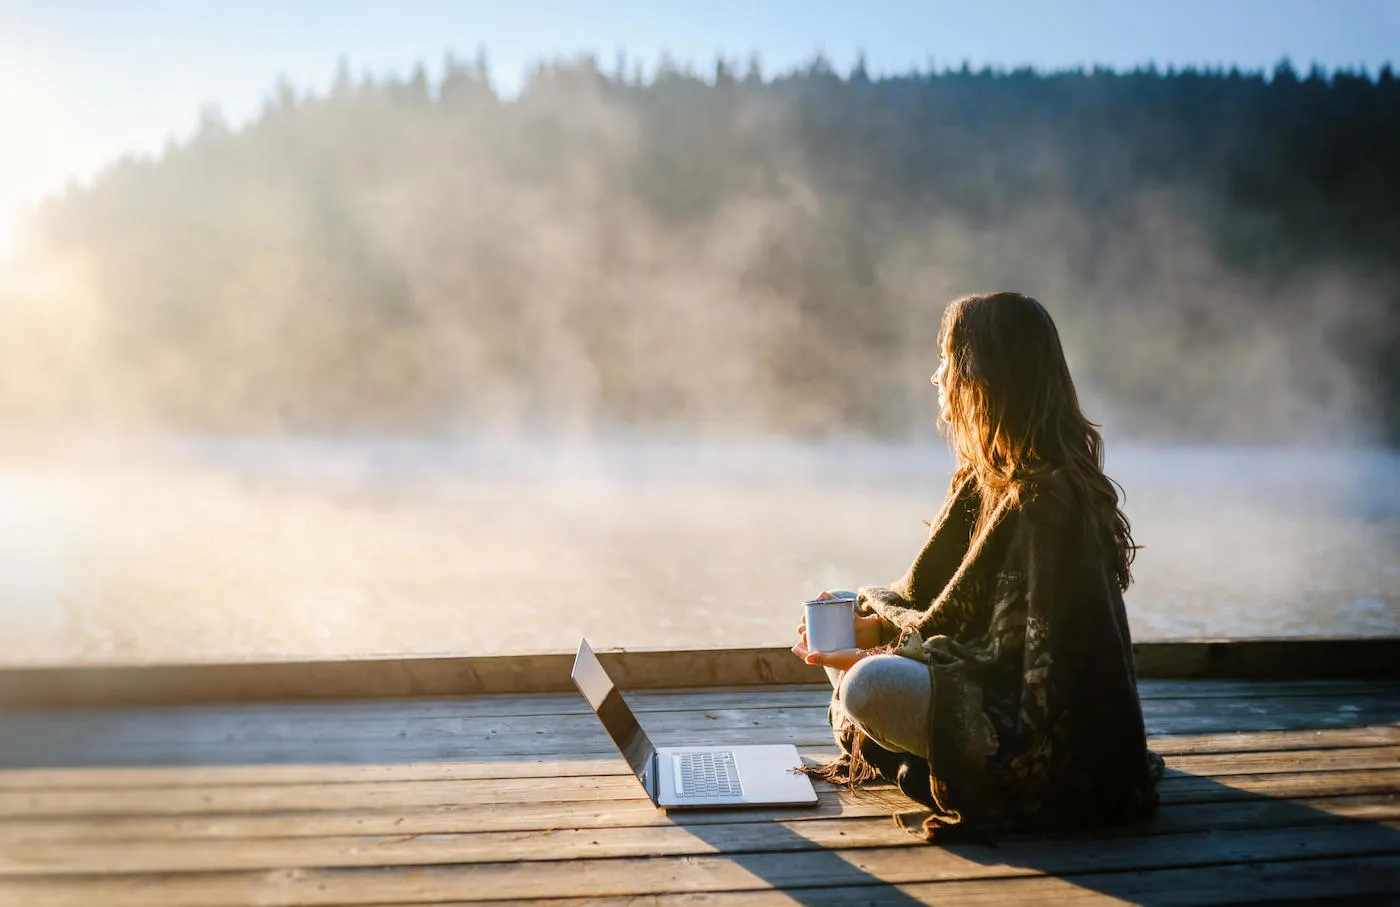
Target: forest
x=726 y=253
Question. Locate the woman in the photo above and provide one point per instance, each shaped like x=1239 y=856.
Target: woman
x=994 y=682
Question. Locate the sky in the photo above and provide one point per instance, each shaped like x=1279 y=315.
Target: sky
x=83 y=82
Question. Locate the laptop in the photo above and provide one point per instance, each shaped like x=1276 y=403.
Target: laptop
x=689 y=777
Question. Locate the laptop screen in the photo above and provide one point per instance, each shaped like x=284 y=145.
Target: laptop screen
x=602 y=695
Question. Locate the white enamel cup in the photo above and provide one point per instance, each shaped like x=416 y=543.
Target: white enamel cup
x=831 y=623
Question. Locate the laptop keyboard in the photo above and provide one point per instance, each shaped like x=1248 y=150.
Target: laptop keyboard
x=707 y=774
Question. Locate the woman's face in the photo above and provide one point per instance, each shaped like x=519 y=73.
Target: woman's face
x=937 y=380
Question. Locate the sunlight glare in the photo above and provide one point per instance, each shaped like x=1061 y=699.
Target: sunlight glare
x=42 y=151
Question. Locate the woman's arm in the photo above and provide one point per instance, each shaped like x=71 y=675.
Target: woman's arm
x=894 y=610
x=911 y=602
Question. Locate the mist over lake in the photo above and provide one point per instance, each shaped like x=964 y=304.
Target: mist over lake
x=213 y=550
x=225 y=357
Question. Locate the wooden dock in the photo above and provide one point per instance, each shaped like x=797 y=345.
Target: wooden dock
x=1276 y=790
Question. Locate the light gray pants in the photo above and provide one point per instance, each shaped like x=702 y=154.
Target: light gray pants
x=887 y=697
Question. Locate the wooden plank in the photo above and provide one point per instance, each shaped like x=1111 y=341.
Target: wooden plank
x=1255 y=659
x=48 y=739
x=56 y=738
x=627 y=876
x=384 y=808
x=1214 y=688
x=298 y=773
x=1270 y=812
x=57 y=728
x=451 y=818
x=1196 y=789
x=89 y=685
x=518 y=705
x=584 y=745
x=1212 y=764
x=127 y=855
x=376 y=753
x=1279 y=720
x=545 y=780
x=585 y=741
x=351 y=712
x=457 y=778
x=162 y=777
x=366 y=678
x=1387 y=708
x=1385 y=738
x=170 y=856
x=1257 y=741
x=65 y=857
x=351 y=721
x=1369 y=880
x=511 y=705
x=291 y=797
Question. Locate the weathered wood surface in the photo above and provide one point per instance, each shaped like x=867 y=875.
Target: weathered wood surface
x=63 y=686
x=459 y=730
x=1273 y=791
x=179 y=853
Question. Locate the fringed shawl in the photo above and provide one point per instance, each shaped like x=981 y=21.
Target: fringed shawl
x=1034 y=718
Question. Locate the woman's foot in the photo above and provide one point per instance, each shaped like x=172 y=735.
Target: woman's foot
x=912 y=778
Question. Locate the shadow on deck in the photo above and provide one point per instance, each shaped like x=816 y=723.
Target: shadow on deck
x=1275 y=791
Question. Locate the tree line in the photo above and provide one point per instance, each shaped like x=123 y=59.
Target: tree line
x=725 y=254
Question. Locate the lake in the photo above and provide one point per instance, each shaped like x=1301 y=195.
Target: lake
x=216 y=550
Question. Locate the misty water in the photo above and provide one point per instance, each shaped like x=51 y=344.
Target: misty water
x=212 y=550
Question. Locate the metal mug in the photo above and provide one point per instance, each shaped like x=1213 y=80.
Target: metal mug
x=831 y=623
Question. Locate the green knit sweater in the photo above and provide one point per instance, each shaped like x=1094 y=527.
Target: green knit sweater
x=1035 y=720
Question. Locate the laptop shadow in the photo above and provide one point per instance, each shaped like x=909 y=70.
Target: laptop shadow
x=785 y=860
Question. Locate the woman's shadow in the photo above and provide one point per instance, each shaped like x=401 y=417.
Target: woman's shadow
x=1296 y=833
x=1210 y=842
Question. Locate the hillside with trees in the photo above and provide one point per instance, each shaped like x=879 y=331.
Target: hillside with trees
x=724 y=255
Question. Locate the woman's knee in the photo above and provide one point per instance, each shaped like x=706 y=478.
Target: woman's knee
x=887 y=696
x=876 y=683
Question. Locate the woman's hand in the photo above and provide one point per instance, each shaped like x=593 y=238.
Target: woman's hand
x=868 y=633
x=870 y=630
x=841 y=659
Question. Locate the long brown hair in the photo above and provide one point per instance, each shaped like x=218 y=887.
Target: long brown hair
x=1013 y=412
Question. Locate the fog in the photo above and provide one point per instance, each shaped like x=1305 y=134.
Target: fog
x=411 y=367
x=722 y=257
x=210 y=550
